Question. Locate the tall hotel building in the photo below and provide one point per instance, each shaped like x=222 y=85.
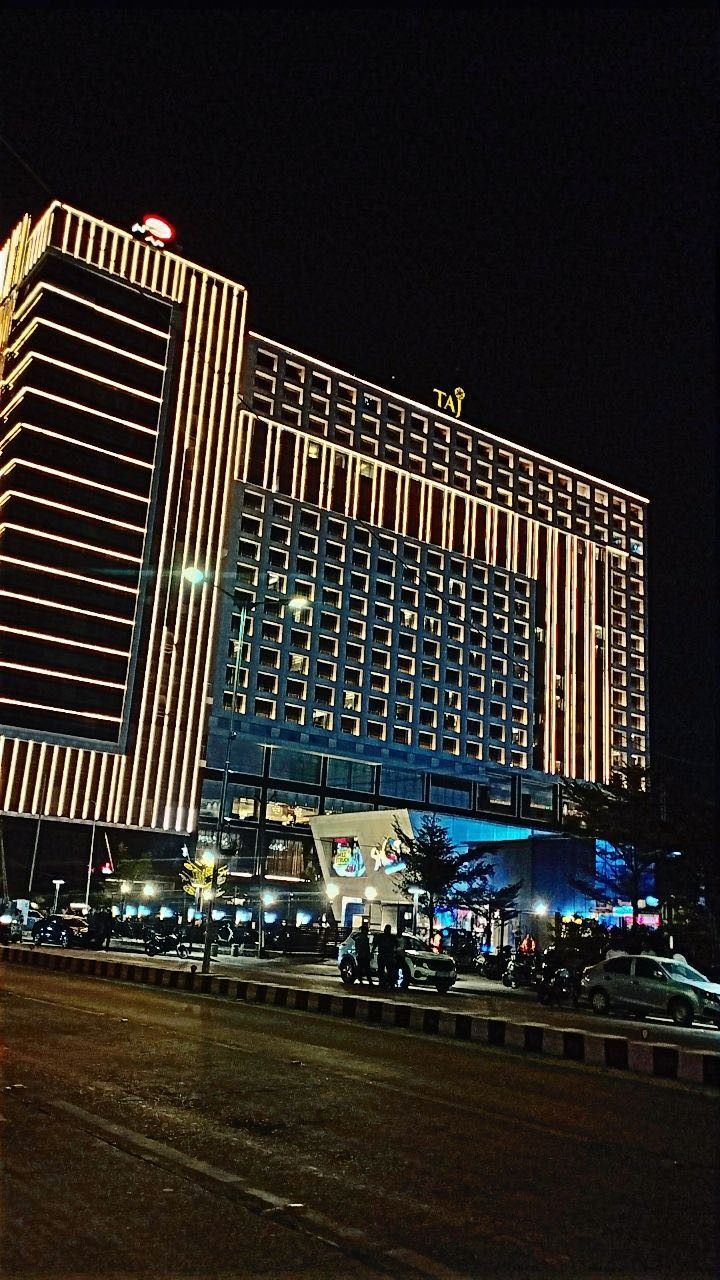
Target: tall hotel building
x=473 y=626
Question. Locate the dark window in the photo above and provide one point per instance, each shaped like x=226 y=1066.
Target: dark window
x=302 y=766
x=351 y=774
x=620 y=964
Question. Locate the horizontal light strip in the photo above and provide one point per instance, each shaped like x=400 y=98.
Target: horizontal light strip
x=68 y=475
x=65 y=573
x=75 y=404
x=62 y=640
x=60 y=711
x=66 y=608
x=60 y=675
x=27 y=360
x=39 y=321
x=75 y=511
x=79 y=444
x=430 y=481
x=71 y=542
x=86 y=302
x=455 y=422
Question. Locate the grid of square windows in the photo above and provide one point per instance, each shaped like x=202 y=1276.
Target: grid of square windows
x=400 y=643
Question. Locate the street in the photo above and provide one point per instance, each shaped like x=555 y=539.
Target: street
x=149 y=1132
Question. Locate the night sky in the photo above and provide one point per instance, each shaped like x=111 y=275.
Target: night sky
x=519 y=202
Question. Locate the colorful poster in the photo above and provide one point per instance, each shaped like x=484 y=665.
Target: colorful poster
x=347 y=859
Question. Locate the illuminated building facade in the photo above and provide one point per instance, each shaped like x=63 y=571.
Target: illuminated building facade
x=475 y=625
x=118 y=418
x=475 y=622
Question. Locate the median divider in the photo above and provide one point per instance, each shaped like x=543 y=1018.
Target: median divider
x=573 y=1044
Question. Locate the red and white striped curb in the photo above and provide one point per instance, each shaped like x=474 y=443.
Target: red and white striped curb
x=641 y=1057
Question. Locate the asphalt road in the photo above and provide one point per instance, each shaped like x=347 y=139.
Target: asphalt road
x=152 y=1133
x=469 y=995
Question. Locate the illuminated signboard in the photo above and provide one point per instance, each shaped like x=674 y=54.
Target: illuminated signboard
x=155 y=230
x=450 y=401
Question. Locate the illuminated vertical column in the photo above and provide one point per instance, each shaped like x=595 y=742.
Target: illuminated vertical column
x=607 y=716
x=585 y=766
x=570 y=666
x=550 y=646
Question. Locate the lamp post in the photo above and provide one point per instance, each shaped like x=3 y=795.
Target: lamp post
x=415 y=892
x=57 y=884
x=196 y=576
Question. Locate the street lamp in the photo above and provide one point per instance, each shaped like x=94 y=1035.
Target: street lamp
x=57 y=884
x=415 y=892
x=196 y=576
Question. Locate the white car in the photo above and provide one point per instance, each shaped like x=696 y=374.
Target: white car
x=652 y=985
x=416 y=963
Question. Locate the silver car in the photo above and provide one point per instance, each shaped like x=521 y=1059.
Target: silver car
x=652 y=985
x=416 y=962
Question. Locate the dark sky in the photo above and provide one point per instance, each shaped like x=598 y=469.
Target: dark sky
x=518 y=201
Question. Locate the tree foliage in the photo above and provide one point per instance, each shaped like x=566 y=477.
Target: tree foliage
x=447 y=875
x=134 y=870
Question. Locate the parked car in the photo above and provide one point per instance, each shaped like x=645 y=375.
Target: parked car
x=652 y=985
x=63 y=931
x=417 y=963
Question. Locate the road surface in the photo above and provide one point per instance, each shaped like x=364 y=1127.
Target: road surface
x=148 y=1132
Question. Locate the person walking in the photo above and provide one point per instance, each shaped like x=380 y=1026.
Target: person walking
x=385 y=947
x=362 y=954
x=105 y=930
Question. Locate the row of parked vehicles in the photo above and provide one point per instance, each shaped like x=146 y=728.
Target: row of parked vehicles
x=642 y=985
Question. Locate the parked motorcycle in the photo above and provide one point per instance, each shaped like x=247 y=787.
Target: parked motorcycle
x=556 y=986
x=491 y=965
x=520 y=971
x=157 y=943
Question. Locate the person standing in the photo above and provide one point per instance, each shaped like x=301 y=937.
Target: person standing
x=362 y=954
x=385 y=947
x=105 y=929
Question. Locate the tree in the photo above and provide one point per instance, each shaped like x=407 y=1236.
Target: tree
x=626 y=813
x=446 y=875
x=134 y=870
x=689 y=876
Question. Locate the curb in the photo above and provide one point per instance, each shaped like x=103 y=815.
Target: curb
x=639 y=1057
